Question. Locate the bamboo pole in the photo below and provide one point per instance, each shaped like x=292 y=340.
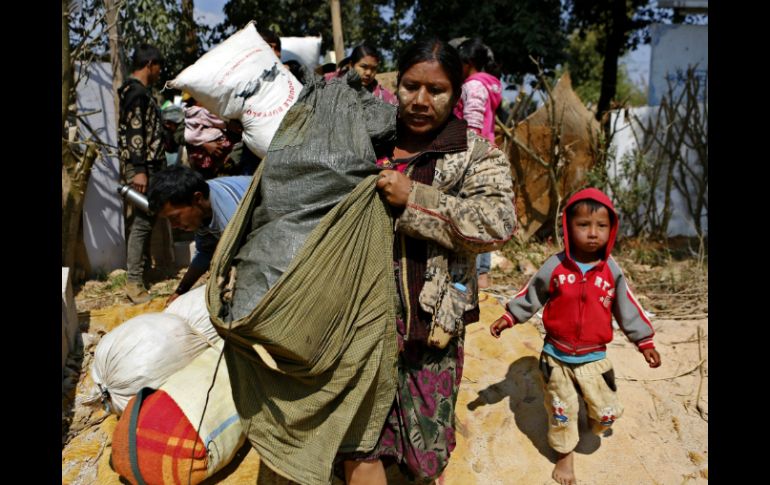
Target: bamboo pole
x=339 y=43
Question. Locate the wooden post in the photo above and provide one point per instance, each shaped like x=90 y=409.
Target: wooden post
x=339 y=42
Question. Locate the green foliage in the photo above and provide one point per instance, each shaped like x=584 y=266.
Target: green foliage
x=622 y=25
x=627 y=92
x=88 y=38
x=584 y=62
x=117 y=281
x=160 y=23
x=633 y=20
x=514 y=30
x=361 y=20
x=157 y=22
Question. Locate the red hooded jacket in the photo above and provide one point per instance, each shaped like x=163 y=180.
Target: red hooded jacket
x=579 y=308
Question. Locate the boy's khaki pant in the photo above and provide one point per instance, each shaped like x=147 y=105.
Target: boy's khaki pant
x=595 y=381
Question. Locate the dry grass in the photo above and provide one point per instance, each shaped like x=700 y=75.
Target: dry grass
x=695 y=458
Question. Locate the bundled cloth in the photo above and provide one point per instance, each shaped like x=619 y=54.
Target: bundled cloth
x=158 y=439
x=201 y=126
x=302 y=286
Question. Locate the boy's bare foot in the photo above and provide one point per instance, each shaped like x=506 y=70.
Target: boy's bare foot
x=564 y=471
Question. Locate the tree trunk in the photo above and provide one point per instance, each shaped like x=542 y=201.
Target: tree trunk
x=75 y=172
x=615 y=41
x=116 y=60
x=190 y=32
x=66 y=64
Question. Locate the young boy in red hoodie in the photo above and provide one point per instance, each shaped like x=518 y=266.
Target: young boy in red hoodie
x=581 y=288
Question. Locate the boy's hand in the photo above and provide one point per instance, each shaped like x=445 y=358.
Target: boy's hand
x=652 y=357
x=500 y=324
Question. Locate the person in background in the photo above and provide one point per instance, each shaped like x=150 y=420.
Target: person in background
x=295 y=67
x=209 y=141
x=480 y=98
x=366 y=61
x=193 y=204
x=141 y=152
x=272 y=40
x=173 y=131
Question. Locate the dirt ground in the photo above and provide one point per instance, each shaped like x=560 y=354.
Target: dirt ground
x=662 y=437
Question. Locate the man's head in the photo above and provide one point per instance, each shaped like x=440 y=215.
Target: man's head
x=181 y=195
x=148 y=60
x=272 y=40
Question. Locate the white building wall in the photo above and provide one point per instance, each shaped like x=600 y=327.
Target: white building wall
x=103 y=222
x=674 y=48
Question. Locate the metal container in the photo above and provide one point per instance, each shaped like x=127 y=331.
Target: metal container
x=136 y=198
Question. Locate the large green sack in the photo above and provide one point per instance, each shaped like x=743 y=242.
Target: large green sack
x=313 y=364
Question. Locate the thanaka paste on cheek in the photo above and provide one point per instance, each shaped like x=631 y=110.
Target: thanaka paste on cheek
x=442 y=105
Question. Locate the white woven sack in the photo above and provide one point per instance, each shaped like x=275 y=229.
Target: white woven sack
x=221 y=430
x=191 y=306
x=306 y=50
x=144 y=352
x=241 y=78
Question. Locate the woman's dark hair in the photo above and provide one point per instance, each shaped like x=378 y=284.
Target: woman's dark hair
x=362 y=51
x=477 y=54
x=270 y=37
x=344 y=64
x=177 y=185
x=433 y=50
x=295 y=67
x=145 y=54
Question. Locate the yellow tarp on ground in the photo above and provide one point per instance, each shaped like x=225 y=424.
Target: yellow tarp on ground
x=110 y=317
x=501 y=420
